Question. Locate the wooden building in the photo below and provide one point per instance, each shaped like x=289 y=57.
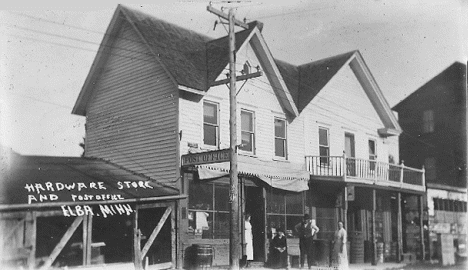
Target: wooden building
x=154 y=105
x=58 y=212
x=434 y=122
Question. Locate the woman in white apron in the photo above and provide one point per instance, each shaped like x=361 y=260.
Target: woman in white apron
x=248 y=238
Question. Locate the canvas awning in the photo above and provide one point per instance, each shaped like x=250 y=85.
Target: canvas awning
x=278 y=174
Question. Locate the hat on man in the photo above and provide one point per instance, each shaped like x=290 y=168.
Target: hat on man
x=306 y=216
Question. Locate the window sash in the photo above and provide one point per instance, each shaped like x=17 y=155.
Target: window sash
x=210 y=123
x=280 y=137
x=247 y=131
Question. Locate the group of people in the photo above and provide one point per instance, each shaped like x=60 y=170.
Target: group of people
x=306 y=231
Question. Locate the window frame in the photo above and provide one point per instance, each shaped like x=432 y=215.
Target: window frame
x=372 y=156
x=213 y=210
x=325 y=160
x=217 y=125
x=250 y=132
x=284 y=139
x=428 y=122
x=272 y=199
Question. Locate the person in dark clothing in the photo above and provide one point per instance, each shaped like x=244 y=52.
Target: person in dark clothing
x=306 y=231
x=279 y=250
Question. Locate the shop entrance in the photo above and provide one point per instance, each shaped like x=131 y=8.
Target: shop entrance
x=254 y=205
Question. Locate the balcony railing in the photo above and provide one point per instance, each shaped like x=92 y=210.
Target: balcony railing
x=364 y=169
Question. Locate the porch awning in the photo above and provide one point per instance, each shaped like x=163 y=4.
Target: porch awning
x=278 y=174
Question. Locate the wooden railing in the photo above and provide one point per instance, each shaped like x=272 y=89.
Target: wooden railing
x=342 y=166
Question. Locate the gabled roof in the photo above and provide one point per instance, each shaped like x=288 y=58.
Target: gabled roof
x=456 y=73
x=307 y=80
x=68 y=171
x=192 y=60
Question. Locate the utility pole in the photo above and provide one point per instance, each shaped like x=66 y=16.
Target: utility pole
x=234 y=237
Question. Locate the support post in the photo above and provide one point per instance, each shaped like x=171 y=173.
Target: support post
x=402 y=170
x=399 y=229
x=234 y=242
x=421 y=226
x=374 y=244
x=345 y=208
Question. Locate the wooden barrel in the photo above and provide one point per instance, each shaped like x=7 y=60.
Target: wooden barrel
x=204 y=258
x=357 y=247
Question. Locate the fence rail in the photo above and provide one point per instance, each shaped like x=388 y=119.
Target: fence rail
x=341 y=166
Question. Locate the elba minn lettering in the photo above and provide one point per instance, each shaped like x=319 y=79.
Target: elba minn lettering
x=103 y=210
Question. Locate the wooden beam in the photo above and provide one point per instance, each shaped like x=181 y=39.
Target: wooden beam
x=59 y=247
x=31 y=229
x=238 y=78
x=174 y=244
x=374 y=243
x=137 y=243
x=421 y=226
x=399 y=228
x=224 y=16
x=155 y=232
x=87 y=239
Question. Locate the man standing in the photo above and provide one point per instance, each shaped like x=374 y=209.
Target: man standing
x=306 y=231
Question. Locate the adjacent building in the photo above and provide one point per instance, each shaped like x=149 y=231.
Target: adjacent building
x=433 y=119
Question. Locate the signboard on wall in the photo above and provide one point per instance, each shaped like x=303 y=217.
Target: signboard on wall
x=205 y=157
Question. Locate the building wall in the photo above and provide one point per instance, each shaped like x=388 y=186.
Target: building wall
x=445 y=95
x=258 y=96
x=132 y=115
x=343 y=106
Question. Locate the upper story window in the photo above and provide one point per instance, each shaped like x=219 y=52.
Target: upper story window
x=372 y=153
x=247 y=131
x=428 y=121
x=324 y=145
x=210 y=123
x=280 y=137
x=430 y=168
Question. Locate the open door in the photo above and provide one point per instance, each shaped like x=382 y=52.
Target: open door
x=154 y=244
x=350 y=154
x=254 y=206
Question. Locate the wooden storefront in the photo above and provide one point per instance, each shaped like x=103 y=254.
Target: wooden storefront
x=274 y=194
x=84 y=213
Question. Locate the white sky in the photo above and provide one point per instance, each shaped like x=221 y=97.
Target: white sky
x=46 y=51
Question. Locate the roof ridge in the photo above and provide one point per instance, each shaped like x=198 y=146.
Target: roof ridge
x=350 y=53
x=152 y=17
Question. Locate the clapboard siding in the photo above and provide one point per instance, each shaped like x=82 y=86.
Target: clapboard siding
x=256 y=95
x=343 y=106
x=132 y=116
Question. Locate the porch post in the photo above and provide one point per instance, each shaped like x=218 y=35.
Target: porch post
x=399 y=229
x=345 y=208
x=374 y=247
x=345 y=169
x=421 y=224
x=402 y=164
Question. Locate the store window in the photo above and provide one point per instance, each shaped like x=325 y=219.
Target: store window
x=284 y=210
x=280 y=137
x=324 y=146
x=210 y=123
x=247 y=131
x=208 y=210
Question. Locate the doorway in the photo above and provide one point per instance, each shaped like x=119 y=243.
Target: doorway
x=350 y=154
x=254 y=205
